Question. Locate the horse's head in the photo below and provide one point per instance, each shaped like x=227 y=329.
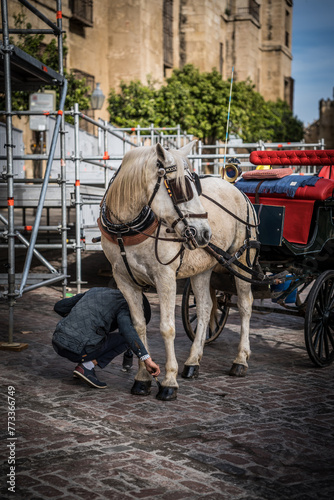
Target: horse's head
x=176 y=197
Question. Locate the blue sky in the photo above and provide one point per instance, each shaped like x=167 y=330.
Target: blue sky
x=313 y=56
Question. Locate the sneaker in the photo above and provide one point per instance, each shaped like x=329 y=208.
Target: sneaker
x=88 y=376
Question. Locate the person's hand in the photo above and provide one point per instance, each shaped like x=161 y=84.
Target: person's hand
x=152 y=367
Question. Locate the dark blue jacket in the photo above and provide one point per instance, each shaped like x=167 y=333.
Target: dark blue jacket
x=90 y=316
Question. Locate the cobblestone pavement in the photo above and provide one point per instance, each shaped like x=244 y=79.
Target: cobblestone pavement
x=266 y=436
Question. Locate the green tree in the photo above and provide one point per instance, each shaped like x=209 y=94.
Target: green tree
x=199 y=103
x=288 y=127
x=47 y=53
x=134 y=105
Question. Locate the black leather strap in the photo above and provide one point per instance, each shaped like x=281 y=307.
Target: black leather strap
x=125 y=260
x=227 y=260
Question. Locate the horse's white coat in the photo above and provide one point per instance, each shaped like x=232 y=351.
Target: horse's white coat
x=227 y=233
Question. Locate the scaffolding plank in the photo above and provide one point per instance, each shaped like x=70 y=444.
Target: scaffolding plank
x=32 y=279
x=27 y=195
x=27 y=73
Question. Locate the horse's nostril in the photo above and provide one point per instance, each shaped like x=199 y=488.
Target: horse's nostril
x=207 y=236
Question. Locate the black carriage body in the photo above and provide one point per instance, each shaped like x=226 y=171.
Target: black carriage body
x=310 y=265
x=304 y=262
x=316 y=256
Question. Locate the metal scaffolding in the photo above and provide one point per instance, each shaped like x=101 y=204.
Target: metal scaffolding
x=20 y=71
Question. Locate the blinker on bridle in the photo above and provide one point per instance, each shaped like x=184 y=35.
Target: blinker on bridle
x=178 y=196
x=174 y=189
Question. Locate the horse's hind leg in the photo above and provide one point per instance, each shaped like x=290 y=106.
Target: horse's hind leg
x=201 y=288
x=245 y=301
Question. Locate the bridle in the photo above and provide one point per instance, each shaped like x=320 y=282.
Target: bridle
x=178 y=196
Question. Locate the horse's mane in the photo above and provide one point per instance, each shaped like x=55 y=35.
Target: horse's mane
x=131 y=179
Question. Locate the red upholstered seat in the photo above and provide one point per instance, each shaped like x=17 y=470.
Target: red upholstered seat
x=314 y=157
x=323 y=189
x=327 y=172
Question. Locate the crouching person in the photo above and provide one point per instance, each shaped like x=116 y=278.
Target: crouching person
x=86 y=334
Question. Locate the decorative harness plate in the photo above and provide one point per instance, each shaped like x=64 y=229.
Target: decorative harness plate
x=134 y=232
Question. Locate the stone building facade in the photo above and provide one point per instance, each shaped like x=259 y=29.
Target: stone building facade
x=114 y=40
x=323 y=128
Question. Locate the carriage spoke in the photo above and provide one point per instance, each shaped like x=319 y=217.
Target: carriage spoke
x=331 y=303
x=326 y=342
x=214 y=328
x=316 y=334
x=321 y=342
x=318 y=308
x=331 y=290
x=322 y=296
x=329 y=294
x=330 y=336
x=317 y=323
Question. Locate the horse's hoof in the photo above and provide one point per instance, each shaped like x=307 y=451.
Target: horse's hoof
x=141 y=388
x=238 y=370
x=167 y=393
x=190 y=371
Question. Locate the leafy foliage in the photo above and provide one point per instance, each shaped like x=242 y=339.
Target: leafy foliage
x=199 y=103
x=47 y=53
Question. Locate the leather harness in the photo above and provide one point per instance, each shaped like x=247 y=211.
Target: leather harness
x=146 y=223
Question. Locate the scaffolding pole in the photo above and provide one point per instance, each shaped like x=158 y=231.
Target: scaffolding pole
x=77 y=199
x=9 y=175
x=43 y=193
x=29 y=67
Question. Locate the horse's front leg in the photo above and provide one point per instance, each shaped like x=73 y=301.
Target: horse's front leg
x=201 y=287
x=166 y=290
x=245 y=301
x=143 y=380
x=134 y=298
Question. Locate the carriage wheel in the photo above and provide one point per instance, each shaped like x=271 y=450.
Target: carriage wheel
x=189 y=314
x=319 y=320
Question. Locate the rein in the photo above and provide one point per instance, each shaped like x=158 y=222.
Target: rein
x=229 y=212
x=227 y=260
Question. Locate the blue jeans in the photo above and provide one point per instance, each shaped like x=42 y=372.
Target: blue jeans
x=113 y=345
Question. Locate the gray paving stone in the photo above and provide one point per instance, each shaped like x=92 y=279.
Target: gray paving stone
x=268 y=436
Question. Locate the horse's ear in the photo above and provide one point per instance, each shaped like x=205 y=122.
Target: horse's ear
x=187 y=148
x=161 y=153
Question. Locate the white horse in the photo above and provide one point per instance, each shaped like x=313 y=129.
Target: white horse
x=161 y=179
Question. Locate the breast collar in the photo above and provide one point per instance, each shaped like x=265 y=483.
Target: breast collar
x=132 y=231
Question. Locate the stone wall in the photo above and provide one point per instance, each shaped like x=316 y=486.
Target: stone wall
x=323 y=128
x=125 y=40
